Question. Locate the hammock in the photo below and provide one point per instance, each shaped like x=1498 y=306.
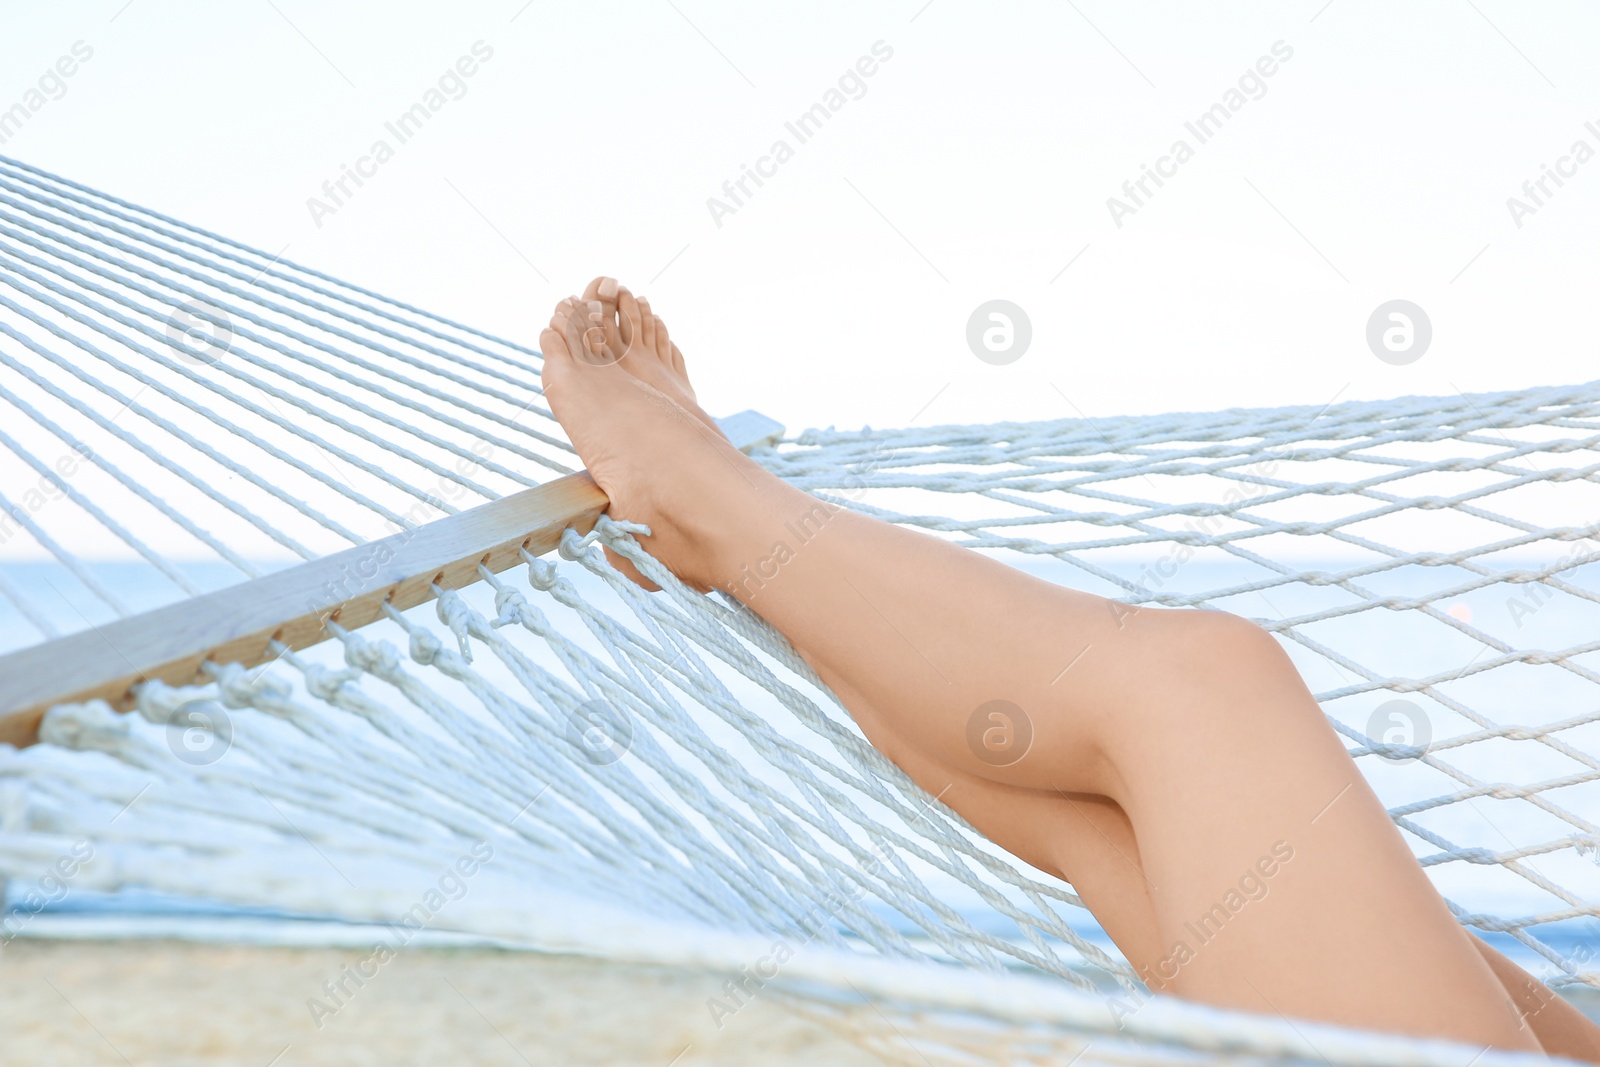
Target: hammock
x=341 y=545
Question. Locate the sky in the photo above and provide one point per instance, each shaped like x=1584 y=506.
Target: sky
x=972 y=153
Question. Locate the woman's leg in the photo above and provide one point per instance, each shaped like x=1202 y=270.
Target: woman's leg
x=1276 y=881
x=1091 y=837
x=1561 y=1029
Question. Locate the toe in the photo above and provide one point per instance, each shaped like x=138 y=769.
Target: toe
x=598 y=333
x=616 y=340
x=552 y=346
x=628 y=317
x=663 y=343
x=647 y=325
x=678 y=364
x=602 y=289
x=604 y=293
x=557 y=361
x=600 y=295
x=569 y=324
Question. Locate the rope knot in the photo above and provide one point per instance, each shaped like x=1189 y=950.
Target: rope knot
x=615 y=531
x=238 y=689
x=425 y=647
x=573 y=546
x=456 y=614
x=84 y=727
x=606 y=529
x=373 y=657
x=323 y=683
x=542 y=574
x=160 y=704
x=508 y=602
x=156 y=701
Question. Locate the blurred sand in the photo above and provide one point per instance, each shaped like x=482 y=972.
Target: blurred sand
x=129 y=1003
x=180 y=1004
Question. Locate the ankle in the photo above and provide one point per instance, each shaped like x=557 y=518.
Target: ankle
x=754 y=526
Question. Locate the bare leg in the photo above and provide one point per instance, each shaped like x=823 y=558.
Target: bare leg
x=1276 y=881
x=1562 y=1029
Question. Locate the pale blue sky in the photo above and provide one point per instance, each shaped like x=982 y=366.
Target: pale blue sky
x=976 y=165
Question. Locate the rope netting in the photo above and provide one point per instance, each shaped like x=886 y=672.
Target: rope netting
x=658 y=776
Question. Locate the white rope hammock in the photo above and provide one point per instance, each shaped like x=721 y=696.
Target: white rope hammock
x=658 y=777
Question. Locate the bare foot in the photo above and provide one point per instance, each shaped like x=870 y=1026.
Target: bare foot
x=657 y=456
x=625 y=330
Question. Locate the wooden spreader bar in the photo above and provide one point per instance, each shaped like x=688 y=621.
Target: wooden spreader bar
x=240 y=623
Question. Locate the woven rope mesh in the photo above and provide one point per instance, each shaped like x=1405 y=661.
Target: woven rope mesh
x=1428 y=562
x=651 y=773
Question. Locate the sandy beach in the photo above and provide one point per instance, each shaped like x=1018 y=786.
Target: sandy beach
x=180 y=1004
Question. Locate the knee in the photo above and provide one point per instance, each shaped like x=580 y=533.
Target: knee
x=1207 y=697
x=1209 y=664
x=1218 y=638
